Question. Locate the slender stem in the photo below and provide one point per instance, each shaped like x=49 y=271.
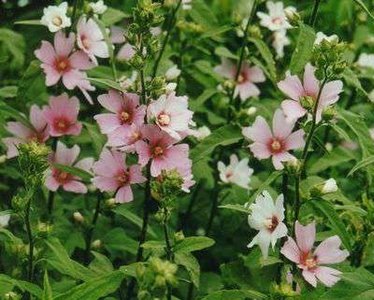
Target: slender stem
x=144 y=91
x=114 y=69
x=212 y=211
x=313 y=17
x=30 y=272
x=51 y=195
x=166 y=39
x=297 y=201
x=74 y=15
x=285 y=192
x=187 y=215
x=240 y=62
x=169 y=251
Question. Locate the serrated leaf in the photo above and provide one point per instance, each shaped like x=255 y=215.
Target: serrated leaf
x=191 y=264
x=335 y=221
x=303 y=50
x=193 y=243
x=24 y=286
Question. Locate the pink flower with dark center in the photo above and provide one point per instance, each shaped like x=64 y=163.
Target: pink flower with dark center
x=161 y=149
x=293 y=88
x=125 y=110
x=61 y=115
x=91 y=40
x=67 y=157
x=113 y=175
x=311 y=261
x=58 y=61
x=248 y=76
x=125 y=138
x=276 y=143
x=37 y=130
x=171 y=114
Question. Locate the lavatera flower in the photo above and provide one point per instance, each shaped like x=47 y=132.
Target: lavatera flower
x=274 y=143
x=55 y=18
x=267 y=217
x=312 y=261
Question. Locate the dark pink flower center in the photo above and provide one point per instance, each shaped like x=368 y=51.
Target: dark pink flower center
x=62 y=177
x=61 y=125
x=125 y=117
x=123 y=178
x=157 y=151
x=308 y=260
x=276 y=146
x=276 y=20
x=242 y=77
x=271 y=223
x=62 y=64
x=85 y=42
x=163 y=119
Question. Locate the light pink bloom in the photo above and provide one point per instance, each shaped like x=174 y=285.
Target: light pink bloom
x=274 y=143
x=127 y=51
x=24 y=134
x=91 y=40
x=311 y=261
x=125 y=110
x=125 y=138
x=113 y=175
x=58 y=61
x=69 y=182
x=61 y=115
x=171 y=114
x=293 y=88
x=161 y=150
x=245 y=86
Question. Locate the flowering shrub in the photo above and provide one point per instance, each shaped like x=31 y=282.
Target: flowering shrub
x=187 y=149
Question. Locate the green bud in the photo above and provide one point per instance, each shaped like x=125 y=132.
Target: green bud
x=254 y=32
x=329 y=113
x=12 y=296
x=167 y=186
x=307 y=102
x=44 y=229
x=293 y=166
x=19 y=202
x=137 y=62
x=179 y=236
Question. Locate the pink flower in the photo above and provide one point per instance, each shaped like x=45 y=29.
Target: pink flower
x=276 y=143
x=69 y=182
x=61 y=115
x=37 y=131
x=125 y=138
x=293 y=88
x=58 y=62
x=311 y=261
x=91 y=40
x=171 y=114
x=113 y=175
x=161 y=150
x=125 y=110
x=245 y=86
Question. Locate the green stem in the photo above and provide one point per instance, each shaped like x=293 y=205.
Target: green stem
x=143 y=92
x=166 y=39
x=212 y=211
x=240 y=62
x=30 y=272
x=169 y=251
x=313 y=17
x=297 y=203
x=114 y=69
x=74 y=15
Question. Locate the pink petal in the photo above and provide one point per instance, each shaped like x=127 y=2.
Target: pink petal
x=136 y=174
x=66 y=156
x=328 y=276
x=305 y=236
x=144 y=152
x=279 y=158
x=80 y=60
x=12 y=144
x=259 y=131
x=75 y=187
x=126 y=52
x=124 y=194
x=330 y=93
x=328 y=251
x=310 y=277
x=291 y=250
x=19 y=130
x=256 y=74
x=46 y=53
x=51 y=75
x=295 y=140
x=72 y=79
x=108 y=165
x=292 y=110
x=111 y=101
x=64 y=45
x=311 y=83
x=100 y=49
x=105 y=184
x=227 y=69
x=292 y=87
x=85 y=164
x=37 y=119
x=51 y=183
x=260 y=151
x=107 y=122
x=157 y=165
x=281 y=128
x=247 y=89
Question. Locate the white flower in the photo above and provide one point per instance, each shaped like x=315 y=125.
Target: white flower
x=170 y=87
x=251 y=111
x=329 y=186
x=366 y=60
x=99 y=7
x=186 y=4
x=237 y=172
x=321 y=36
x=4 y=220
x=267 y=218
x=172 y=73
x=280 y=40
x=202 y=132
x=55 y=18
x=276 y=19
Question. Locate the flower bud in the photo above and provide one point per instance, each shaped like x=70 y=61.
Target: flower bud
x=307 y=102
x=293 y=166
x=78 y=217
x=329 y=113
x=251 y=111
x=44 y=229
x=3 y=159
x=110 y=203
x=329 y=186
x=179 y=236
x=172 y=73
x=292 y=15
x=96 y=244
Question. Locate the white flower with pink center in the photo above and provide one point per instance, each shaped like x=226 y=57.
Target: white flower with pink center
x=274 y=143
x=37 y=130
x=312 y=261
x=171 y=114
x=124 y=108
x=62 y=116
x=113 y=175
x=91 y=40
x=293 y=88
x=57 y=178
x=245 y=86
x=267 y=217
x=276 y=18
x=237 y=172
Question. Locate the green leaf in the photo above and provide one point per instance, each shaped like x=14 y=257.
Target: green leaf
x=334 y=219
x=112 y=16
x=362 y=164
x=47 y=290
x=98 y=139
x=223 y=136
x=265 y=184
x=267 y=57
x=363 y=6
x=224 y=52
x=354 y=285
x=303 y=50
x=29 y=22
x=8 y=91
x=95 y=288
x=211 y=33
x=117 y=240
x=10 y=112
x=193 y=243
x=13 y=44
x=351 y=79
x=86 y=176
x=236 y=207
x=188 y=261
x=198 y=103
x=101 y=82
x=156 y=245
x=124 y=211
x=22 y=285
x=334 y=158
x=101 y=264
x=235 y=295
